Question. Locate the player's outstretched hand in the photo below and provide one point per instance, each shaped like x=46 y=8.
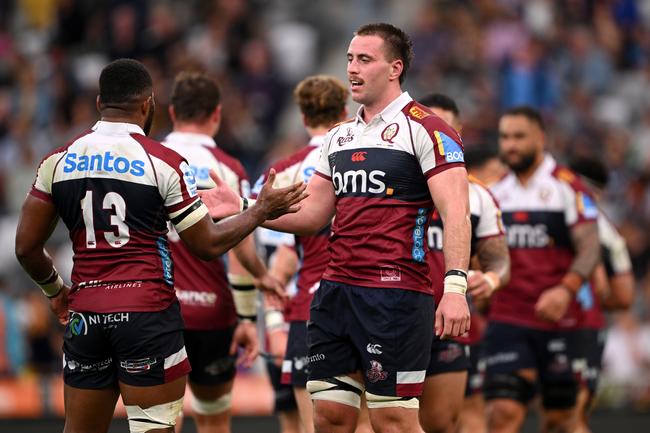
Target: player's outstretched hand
x=279 y=201
x=452 y=316
x=272 y=286
x=245 y=336
x=553 y=303
x=221 y=200
x=59 y=305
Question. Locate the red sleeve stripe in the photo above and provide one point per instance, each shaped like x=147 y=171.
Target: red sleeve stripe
x=439 y=169
x=41 y=195
x=178 y=206
x=324 y=176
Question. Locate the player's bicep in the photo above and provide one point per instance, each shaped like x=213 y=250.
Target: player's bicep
x=37 y=220
x=450 y=192
x=320 y=205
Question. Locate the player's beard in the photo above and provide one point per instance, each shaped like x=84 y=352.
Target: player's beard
x=523 y=163
x=149 y=121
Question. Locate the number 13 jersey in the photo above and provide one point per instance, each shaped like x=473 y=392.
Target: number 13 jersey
x=115 y=189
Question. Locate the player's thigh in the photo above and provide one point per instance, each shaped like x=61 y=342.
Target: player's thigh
x=213 y=368
x=559 y=383
x=442 y=400
x=88 y=410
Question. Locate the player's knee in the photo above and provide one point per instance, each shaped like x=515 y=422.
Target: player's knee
x=437 y=421
x=156 y=417
x=508 y=387
x=212 y=407
x=504 y=414
x=339 y=389
x=559 y=395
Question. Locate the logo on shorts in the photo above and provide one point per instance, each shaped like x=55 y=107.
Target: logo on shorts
x=220 y=366
x=390 y=273
x=136 y=366
x=450 y=354
x=390 y=132
x=374 y=348
x=78 y=324
x=315 y=358
x=376 y=372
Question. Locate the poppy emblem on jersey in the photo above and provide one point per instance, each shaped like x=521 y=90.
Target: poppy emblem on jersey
x=390 y=132
x=376 y=372
x=359 y=156
x=347 y=139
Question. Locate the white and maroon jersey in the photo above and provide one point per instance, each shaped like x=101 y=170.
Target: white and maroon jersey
x=486 y=220
x=538 y=218
x=379 y=172
x=312 y=250
x=115 y=189
x=616 y=259
x=202 y=286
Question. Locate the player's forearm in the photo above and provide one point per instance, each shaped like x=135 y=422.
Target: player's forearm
x=305 y=222
x=34 y=261
x=587 y=249
x=228 y=232
x=493 y=256
x=285 y=264
x=621 y=292
x=246 y=255
x=456 y=238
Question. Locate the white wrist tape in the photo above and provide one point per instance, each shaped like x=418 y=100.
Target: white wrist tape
x=455 y=284
x=52 y=285
x=244 y=294
x=274 y=319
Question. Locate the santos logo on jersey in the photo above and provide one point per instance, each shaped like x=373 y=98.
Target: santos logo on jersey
x=358 y=181
x=106 y=162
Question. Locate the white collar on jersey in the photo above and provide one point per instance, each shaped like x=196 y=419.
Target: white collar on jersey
x=317 y=140
x=390 y=111
x=547 y=166
x=115 y=128
x=191 y=138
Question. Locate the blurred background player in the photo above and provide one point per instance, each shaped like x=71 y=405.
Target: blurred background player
x=550 y=221
x=613 y=283
x=115 y=189
x=381 y=172
x=322 y=101
x=212 y=332
x=453 y=371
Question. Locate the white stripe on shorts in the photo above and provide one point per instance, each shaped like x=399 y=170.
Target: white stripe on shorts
x=286 y=366
x=411 y=376
x=175 y=358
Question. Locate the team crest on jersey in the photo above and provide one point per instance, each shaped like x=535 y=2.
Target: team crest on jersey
x=390 y=273
x=349 y=136
x=376 y=372
x=418 y=113
x=390 y=132
x=448 y=147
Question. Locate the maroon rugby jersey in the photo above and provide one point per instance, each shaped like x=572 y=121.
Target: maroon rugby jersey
x=538 y=217
x=486 y=223
x=379 y=172
x=312 y=250
x=115 y=189
x=202 y=286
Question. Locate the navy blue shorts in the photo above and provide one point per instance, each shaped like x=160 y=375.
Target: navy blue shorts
x=283 y=397
x=588 y=356
x=447 y=356
x=295 y=367
x=510 y=348
x=208 y=354
x=384 y=333
x=139 y=349
x=476 y=370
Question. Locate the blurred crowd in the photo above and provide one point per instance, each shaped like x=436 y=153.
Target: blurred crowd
x=584 y=63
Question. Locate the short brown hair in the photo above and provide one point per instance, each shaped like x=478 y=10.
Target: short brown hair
x=321 y=99
x=195 y=96
x=398 y=43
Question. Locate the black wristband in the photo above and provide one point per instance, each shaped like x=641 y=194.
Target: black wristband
x=458 y=272
x=244 y=204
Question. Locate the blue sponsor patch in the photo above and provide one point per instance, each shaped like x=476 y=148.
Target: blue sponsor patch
x=585 y=297
x=588 y=206
x=453 y=151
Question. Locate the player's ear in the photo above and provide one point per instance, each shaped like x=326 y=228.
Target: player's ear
x=396 y=68
x=98 y=104
x=172 y=113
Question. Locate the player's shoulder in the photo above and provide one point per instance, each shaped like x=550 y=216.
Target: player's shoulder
x=336 y=126
x=226 y=159
x=568 y=177
x=293 y=159
x=482 y=191
x=422 y=115
x=158 y=150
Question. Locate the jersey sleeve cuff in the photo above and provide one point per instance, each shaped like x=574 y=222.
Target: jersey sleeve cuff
x=40 y=194
x=439 y=169
x=323 y=175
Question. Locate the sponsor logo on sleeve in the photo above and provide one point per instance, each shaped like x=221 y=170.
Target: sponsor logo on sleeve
x=586 y=206
x=188 y=178
x=418 y=113
x=448 y=147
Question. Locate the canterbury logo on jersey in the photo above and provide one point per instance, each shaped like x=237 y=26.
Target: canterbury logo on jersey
x=106 y=162
x=358 y=181
x=528 y=236
x=358 y=156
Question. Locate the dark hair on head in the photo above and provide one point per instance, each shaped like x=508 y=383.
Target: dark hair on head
x=441 y=101
x=592 y=168
x=321 y=99
x=398 y=44
x=477 y=155
x=527 y=111
x=124 y=81
x=195 y=96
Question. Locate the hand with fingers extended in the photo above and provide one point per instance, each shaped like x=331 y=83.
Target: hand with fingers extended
x=279 y=201
x=221 y=200
x=245 y=336
x=452 y=316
